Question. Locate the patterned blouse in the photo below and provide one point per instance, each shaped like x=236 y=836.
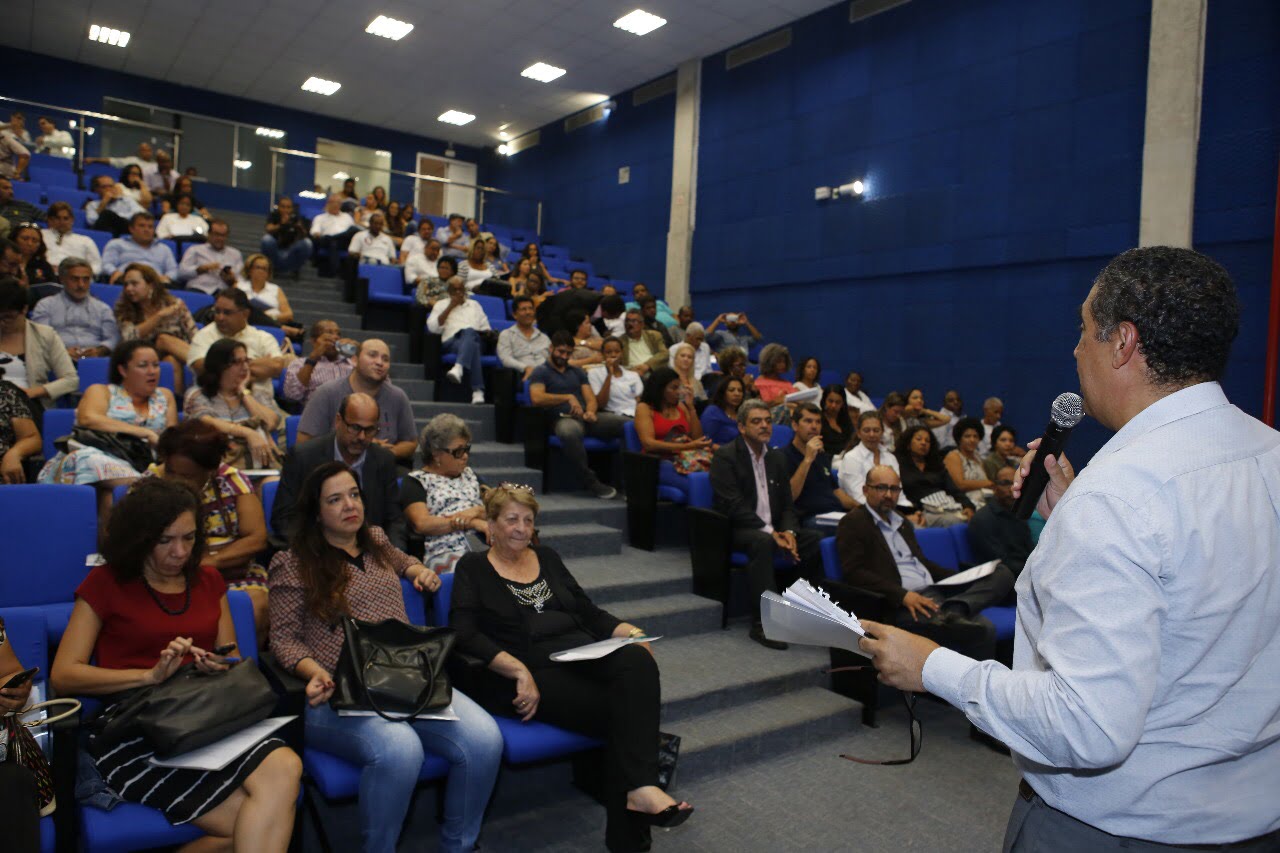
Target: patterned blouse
x=180 y=324
x=13 y=404
x=218 y=503
x=443 y=496
x=373 y=594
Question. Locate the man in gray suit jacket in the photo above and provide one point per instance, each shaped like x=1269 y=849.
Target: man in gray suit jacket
x=351 y=441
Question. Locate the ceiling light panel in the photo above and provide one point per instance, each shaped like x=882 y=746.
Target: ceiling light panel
x=639 y=22
x=388 y=28
x=107 y=35
x=542 y=72
x=320 y=87
x=271 y=132
x=456 y=117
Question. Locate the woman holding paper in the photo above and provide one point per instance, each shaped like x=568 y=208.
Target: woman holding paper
x=338 y=565
x=516 y=605
x=150 y=610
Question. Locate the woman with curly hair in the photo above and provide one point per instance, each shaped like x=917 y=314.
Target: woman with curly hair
x=147 y=311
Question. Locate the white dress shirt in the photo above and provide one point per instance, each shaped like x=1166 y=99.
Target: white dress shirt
x=373 y=250
x=1144 y=695
x=859 y=401
x=419 y=266
x=174 y=224
x=624 y=390
x=70 y=245
x=331 y=224
x=468 y=315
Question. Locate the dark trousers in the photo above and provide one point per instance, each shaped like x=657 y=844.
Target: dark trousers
x=977 y=638
x=20 y=805
x=760 y=549
x=572 y=431
x=616 y=698
x=109 y=220
x=327 y=249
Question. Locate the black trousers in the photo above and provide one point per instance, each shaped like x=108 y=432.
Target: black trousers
x=616 y=698
x=977 y=639
x=109 y=220
x=760 y=548
x=325 y=250
x=20 y=806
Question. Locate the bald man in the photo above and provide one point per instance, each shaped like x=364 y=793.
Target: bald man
x=371 y=376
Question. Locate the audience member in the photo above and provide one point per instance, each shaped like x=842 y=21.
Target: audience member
x=414 y=243
x=84 y=322
x=733 y=362
x=611 y=316
x=61 y=242
x=854 y=396
x=683 y=318
x=493 y=256
x=185 y=186
x=17 y=127
x=523 y=347
x=227 y=398
x=737 y=331
x=287 y=242
x=351 y=442
x=364 y=213
x=915 y=414
x=433 y=281
x=459 y=320
x=395 y=225
x=807 y=374
x=29 y=239
x=332 y=232
x=132 y=404
x=14 y=157
x=667 y=425
x=813 y=489
x=662 y=311
x=327 y=362
x=926 y=483
x=164 y=178
x=231 y=320
x=453 y=237
x=154 y=593
x=870 y=453
x=649 y=311
x=953 y=408
x=372 y=376
x=964 y=465
x=141 y=247
x=339 y=565
x=113 y=211
x=15 y=209
x=211 y=266
x=182 y=225
x=443 y=500
x=615 y=697
x=516 y=278
x=995 y=532
x=535 y=287
x=682 y=360
x=29 y=352
x=751 y=486
x=879 y=553
x=1004 y=450
x=348 y=199
x=696 y=337
x=775 y=360
x=892 y=420
x=616 y=388
x=134 y=185
x=54 y=142
x=143 y=158
x=837 y=427
x=146 y=311
x=534 y=255
x=265 y=295
x=992 y=412
x=563 y=389
x=720 y=418
x=19 y=438
x=373 y=246
x=643 y=348
x=235 y=530
x=474 y=270
x=586 y=340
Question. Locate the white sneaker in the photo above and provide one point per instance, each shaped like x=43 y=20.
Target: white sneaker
x=455 y=374
x=477 y=397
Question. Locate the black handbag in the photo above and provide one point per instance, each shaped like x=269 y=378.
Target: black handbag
x=392 y=667
x=189 y=710
x=132 y=449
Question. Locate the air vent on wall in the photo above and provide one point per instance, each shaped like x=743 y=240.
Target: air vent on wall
x=862 y=9
x=761 y=47
x=649 y=91
x=527 y=141
x=586 y=117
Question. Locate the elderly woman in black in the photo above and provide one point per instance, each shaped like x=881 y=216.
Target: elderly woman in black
x=517 y=604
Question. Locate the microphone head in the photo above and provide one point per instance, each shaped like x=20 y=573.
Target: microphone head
x=1067 y=411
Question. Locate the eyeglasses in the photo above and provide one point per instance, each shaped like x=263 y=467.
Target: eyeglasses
x=885 y=490
x=360 y=430
x=459 y=452
x=515 y=487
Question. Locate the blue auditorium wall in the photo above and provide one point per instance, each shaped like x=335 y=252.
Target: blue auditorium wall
x=621 y=228
x=1001 y=142
x=69 y=84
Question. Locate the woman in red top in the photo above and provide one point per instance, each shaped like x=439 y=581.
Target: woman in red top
x=152 y=609
x=668 y=426
x=775 y=359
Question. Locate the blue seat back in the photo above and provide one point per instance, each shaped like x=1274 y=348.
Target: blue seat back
x=108 y=293
x=269 y=499
x=59 y=527
x=631 y=438
x=291 y=429
x=100 y=238
x=414 y=605
x=830 y=558
x=31 y=193
x=442 y=601
x=494 y=308
x=700 y=494
x=173 y=247
x=25 y=628
x=57 y=423
x=93 y=371
x=52 y=179
x=241 y=607
x=936 y=544
x=960 y=535
x=196 y=301
x=782 y=435
x=383 y=280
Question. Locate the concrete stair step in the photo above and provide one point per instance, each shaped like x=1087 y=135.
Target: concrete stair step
x=675 y=615
x=520 y=476
x=399 y=369
x=564 y=508
x=491 y=454
x=635 y=573
x=417 y=388
x=581 y=539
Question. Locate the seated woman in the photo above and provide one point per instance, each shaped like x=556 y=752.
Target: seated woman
x=18 y=788
x=807 y=374
x=474 y=269
x=1004 y=451
x=442 y=501
x=586 y=340
x=395 y=224
x=682 y=357
x=19 y=438
x=534 y=254
x=336 y=566
x=235 y=529
x=535 y=287
x=147 y=311
x=892 y=420
x=964 y=465
x=432 y=288
x=733 y=362
x=265 y=295
x=493 y=256
x=517 y=604
x=517 y=277
x=134 y=185
x=29 y=351
x=227 y=398
x=148 y=611
x=926 y=483
x=668 y=426
x=865 y=455
x=132 y=404
x=837 y=426
x=775 y=360
x=720 y=419
x=915 y=414
x=184 y=186
x=183 y=224
x=31 y=252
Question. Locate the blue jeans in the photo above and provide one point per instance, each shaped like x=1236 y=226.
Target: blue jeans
x=390 y=756
x=468 y=346
x=286 y=260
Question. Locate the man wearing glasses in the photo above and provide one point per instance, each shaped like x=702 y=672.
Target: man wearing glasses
x=231 y=320
x=355 y=426
x=995 y=532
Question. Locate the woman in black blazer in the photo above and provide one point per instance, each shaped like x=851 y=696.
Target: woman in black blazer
x=514 y=606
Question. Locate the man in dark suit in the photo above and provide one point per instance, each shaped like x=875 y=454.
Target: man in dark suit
x=350 y=441
x=879 y=552
x=752 y=486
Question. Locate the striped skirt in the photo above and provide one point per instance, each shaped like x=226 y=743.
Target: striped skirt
x=182 y=795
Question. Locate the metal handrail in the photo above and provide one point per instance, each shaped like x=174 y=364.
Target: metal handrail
x=175 y=132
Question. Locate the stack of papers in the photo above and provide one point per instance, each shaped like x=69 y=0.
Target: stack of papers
x=969 y=575
x=806 y=615
x=592 y=651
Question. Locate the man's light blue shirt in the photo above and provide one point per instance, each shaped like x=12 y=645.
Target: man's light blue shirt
x=1145 y=694
x=84 y=324
x=913 y=573
x=122 y=251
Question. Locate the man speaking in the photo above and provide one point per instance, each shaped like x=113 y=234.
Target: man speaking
x=1143 y=708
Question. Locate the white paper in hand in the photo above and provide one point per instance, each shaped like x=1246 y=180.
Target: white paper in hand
x=218 y=755
x=817 y=600
x=969 y=575
x=592 y=651
x=794 y=623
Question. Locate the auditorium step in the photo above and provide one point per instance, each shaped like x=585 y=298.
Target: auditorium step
x=676 y=614
x=567 y=508
x=580 y=539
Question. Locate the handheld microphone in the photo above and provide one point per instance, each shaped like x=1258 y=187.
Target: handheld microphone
x=1067 y=411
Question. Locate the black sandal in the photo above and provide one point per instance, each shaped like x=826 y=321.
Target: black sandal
x=668 y=818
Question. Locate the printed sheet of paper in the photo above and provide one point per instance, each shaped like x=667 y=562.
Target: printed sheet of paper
x=592 y=651
x=794 y=623
x=445 y=713
x=969 y=575
x=218 y=755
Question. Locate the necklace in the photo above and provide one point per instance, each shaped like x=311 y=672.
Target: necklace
x=155 y=596
x=536 y=595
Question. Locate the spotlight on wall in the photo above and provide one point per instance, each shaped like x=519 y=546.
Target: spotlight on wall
x=854 y=189
x=243 y=164
x=504 y=149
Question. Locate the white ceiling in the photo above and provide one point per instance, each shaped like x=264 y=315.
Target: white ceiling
x=465 y=54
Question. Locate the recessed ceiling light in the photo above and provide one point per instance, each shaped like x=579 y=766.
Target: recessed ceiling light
x=504 y=149
x=382 y=153
x=389 y=28
x=456 y=117
x=504 y=126
x=320 y=87
x=243 y=164
x=542 y=72
x=107 y=35
x=311 y=194
x=502 y=134
x=341 y=176
x=271 y=132
x=639 y=22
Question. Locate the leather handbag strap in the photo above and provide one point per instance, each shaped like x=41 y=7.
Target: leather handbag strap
x=424 y=698
x=73 y=707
